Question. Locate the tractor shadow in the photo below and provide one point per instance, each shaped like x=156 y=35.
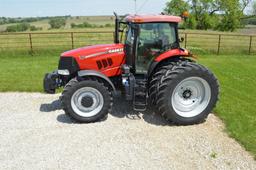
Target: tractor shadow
x=51 y=107
x=124 y=109
x=56 y=106
x=121 y=109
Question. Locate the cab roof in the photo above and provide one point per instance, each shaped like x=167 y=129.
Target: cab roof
x=152 y=18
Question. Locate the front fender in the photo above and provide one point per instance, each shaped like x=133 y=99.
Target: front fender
x=85 y=73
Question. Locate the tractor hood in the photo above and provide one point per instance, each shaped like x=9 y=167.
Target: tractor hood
x=93 y=51
x=106 y=58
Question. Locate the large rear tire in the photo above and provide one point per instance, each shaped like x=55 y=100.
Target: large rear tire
x=186 y=93
x=155 y=79
x=86 y=101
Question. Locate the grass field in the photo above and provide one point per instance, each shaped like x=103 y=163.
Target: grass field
x=22 y=72
x=237 y=106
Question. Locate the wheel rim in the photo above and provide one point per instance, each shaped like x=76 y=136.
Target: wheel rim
x=87 y=102
x=191 y=97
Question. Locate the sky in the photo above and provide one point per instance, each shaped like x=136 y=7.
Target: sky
x=34 y=8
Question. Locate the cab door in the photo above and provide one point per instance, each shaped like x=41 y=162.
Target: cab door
x=131 y=44
x=154 y=39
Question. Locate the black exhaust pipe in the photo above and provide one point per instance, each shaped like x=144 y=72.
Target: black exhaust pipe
x=116 y=38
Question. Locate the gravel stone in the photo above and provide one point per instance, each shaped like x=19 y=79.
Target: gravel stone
x=36 y=134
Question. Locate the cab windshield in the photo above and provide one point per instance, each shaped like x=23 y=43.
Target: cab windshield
x=154 y=39
x=157 y=36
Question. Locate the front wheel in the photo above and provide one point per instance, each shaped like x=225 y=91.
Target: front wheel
x=187 y=93
x=86 y=101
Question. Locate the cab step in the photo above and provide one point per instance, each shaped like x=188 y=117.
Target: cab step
x=140 y=95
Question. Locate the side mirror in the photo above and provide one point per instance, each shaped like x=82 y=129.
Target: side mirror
x=181 y=40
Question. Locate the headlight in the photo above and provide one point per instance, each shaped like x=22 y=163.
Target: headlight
x=63 y=72
x=68 y=63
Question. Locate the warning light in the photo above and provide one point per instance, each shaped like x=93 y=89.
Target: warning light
x=185 y=14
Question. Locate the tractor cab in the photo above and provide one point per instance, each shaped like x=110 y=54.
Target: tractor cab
x=147 y=37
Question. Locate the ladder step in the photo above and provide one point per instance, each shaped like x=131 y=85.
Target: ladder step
x=140 y=95
x=140 y=104
x=140 y=109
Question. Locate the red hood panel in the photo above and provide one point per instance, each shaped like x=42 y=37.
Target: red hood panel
x=106 y=58
x=84 y=51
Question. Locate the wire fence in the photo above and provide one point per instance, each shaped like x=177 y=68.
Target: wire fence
x=196 y=42
x=220 y=43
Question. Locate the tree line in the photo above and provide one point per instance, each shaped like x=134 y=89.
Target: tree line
x=54 y=23
x=222 y=15
x=8 y=20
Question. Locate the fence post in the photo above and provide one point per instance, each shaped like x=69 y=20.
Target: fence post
x=250 y=45
x=186 y=37
x=72 y=40
x=30 y=42
x=218 y=52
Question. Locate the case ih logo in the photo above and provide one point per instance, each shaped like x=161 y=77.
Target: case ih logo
x=116 y=50
x=101 y=53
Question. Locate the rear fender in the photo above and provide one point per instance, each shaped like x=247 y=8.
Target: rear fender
x=167 y=56
x=172 y=53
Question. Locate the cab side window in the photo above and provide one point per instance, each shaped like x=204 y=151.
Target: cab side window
x=154 y=39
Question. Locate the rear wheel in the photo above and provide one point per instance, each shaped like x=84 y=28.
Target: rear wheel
x=156 y=78
x=154 y=82
x=86 y=101
x=187 y=93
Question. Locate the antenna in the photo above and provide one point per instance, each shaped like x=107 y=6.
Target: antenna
x=135 y=1
x=141 y=7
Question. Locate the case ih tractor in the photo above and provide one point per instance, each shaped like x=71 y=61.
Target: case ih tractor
x=148 y=66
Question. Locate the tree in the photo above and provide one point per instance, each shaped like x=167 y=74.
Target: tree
x=18 y=28
x=34 y=28
x=244 y=4
x=254 y=8
x=176 y=7
x=232 y=15
x=210 y=14
x=57 y=23
x=201 y=11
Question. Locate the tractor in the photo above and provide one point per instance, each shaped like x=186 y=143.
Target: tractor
x=146 y=63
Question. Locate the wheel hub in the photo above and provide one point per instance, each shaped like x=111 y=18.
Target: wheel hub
x=87 y=101
x=187 y=94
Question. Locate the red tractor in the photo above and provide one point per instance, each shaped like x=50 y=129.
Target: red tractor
x=148 y=66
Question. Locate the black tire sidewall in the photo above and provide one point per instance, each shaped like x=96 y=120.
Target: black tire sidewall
x=209 y=78
x=93 y=84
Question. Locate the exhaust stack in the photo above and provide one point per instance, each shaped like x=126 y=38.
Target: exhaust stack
x=116 y=38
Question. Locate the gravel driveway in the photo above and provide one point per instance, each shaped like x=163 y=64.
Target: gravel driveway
x=36 y=134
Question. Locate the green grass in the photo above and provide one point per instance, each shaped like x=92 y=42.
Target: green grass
x=23 y=72
x=236 y=74
x=237 y=104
